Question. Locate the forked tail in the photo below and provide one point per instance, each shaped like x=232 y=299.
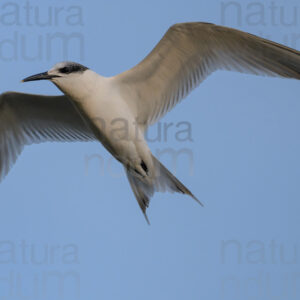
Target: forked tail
x=164 y=181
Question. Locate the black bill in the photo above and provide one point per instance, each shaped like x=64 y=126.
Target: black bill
x=40 y=76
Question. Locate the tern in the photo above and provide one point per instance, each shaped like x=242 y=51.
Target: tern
x=91 y=104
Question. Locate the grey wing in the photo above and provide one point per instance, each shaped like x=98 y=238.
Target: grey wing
x=26 y=119
x=187 y=54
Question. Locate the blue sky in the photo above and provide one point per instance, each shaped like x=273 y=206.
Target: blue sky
x=65 y=218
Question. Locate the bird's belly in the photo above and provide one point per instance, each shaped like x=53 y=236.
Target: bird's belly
x=115 y=127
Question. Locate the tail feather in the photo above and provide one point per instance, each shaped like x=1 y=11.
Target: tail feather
x=142 y=192
x=164 y=181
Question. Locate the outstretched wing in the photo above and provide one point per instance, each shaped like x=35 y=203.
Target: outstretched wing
x=26 y=119
x=187 y=54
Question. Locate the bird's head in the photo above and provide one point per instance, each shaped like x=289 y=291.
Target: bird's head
x=69 y=77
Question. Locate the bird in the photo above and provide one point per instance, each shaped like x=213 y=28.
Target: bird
x=91 y=103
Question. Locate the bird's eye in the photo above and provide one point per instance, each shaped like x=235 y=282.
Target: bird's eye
x=64 y=70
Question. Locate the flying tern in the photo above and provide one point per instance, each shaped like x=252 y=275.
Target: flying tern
x=184 y=57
